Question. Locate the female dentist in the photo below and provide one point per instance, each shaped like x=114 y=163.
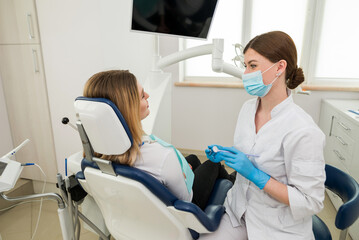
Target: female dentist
x=278 y=151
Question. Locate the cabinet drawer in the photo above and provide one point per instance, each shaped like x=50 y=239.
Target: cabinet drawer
x=18 y=22
x=341 y=139
x=342 y=157
x=347 y=127
x=337 y=157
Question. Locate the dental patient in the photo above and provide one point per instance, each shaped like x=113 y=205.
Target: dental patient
x=186 y=178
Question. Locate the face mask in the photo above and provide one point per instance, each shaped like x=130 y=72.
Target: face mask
x=253 y=83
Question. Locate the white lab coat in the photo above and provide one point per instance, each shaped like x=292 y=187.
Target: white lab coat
x=290 y=147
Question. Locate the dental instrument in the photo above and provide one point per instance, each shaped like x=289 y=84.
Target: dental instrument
x=12 y=152
x=215 y=149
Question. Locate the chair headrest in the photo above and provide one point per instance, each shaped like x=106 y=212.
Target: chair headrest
x=104 y=124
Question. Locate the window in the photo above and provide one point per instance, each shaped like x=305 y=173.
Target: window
x=226 y=25
x=338 y=50
x=270 y=16
x=324 y=33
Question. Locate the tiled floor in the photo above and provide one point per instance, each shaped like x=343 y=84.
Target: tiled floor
x=19 y=222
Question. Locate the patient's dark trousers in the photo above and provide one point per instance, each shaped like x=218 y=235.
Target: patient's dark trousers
x=206 y=175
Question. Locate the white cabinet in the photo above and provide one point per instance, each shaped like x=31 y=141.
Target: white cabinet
x=25 y=91
x=341 y=128
x=18 y=22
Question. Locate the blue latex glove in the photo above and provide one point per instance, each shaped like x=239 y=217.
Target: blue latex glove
x=240 y=162
x=213 y=156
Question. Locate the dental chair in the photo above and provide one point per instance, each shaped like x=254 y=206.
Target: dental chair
x=133 y=204
x=347 y=189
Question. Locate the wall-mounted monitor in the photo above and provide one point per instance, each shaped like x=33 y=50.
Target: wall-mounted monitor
x=186 y=18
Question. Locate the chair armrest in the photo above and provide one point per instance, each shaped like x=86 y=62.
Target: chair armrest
x=80 y=175
x=219 y=192
x=214 y=214
x=320 y=230
x=210 y=218
x=347 y=189
x=347 y=213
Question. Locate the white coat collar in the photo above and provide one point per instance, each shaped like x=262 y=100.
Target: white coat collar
x=277 y=109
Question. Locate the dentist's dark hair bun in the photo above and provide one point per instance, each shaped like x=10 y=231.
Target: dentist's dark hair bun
x=295 y=79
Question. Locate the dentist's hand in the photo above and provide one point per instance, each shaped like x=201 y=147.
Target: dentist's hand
x=240 y=162
x=213 y=156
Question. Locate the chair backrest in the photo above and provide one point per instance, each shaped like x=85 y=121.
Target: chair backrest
x=347 y=189
x=134 y=204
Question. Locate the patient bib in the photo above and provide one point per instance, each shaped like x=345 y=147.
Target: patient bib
x=186 y=169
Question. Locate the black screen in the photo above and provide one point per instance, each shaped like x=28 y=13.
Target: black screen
x=189 y=18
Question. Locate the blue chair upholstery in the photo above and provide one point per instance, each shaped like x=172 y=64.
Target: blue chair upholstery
x=320 y=229
x=347 y=189
x=219 y=186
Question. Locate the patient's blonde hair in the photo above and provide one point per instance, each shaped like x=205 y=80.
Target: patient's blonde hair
x=119 y=86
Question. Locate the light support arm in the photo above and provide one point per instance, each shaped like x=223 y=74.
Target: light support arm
x=216 y=49
x=218 y=65
x=185 y=54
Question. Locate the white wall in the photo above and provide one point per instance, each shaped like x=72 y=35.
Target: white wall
x=5 y=139
x=204 y=116
x=80 y=38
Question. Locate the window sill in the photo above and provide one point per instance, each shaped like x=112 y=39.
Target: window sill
x=305 y=87
x=211 y=84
